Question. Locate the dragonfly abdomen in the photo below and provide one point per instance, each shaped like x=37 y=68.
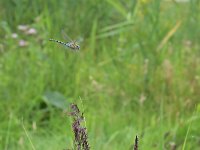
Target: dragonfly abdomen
x=60 y=42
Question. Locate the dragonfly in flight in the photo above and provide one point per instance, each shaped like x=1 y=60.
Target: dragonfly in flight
x=72 y=44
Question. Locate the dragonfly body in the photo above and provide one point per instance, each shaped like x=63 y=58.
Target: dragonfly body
x=72 y=45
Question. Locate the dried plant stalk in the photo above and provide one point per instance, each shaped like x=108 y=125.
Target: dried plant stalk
x=136 y=143
x=80 y=132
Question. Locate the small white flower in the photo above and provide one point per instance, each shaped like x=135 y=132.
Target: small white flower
x=22 y=27
x=31 y=31
x=23 y=43
x=14 y=35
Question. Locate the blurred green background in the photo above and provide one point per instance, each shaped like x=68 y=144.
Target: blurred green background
x=137 y=73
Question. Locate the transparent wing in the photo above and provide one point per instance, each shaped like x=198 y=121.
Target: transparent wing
x=66 y=36
x=80 y=40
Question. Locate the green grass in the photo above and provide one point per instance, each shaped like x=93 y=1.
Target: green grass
x=137 y=73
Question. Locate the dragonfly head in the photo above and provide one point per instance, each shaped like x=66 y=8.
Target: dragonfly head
x=77 y=47
x=73 y=45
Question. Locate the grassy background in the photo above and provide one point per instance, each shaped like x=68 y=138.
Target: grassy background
x=137 y=73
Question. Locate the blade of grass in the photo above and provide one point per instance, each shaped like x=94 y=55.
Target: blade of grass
x=188 y=130
x=83 y=110
x=113 y=32
x=8 y=132
x=118 y=25
x=27 y=135
x=93 y=34
x=115 y=29
x=169 y=35
x=118 y=7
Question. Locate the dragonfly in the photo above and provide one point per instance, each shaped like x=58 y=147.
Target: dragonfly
x=72 y=44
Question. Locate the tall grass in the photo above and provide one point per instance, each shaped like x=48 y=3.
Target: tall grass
x=137 y=72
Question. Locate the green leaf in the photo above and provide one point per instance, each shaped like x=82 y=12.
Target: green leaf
x=56 y=99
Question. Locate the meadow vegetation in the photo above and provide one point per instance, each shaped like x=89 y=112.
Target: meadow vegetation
x=137 y=73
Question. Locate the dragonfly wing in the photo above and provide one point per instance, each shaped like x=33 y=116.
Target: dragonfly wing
x=65 y=35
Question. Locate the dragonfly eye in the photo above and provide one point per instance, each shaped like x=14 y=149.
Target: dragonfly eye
x=77 y=46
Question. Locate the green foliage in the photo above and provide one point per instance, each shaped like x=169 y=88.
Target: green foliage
x=137 y=73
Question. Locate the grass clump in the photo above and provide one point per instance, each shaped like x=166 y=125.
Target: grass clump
x=137 y=72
